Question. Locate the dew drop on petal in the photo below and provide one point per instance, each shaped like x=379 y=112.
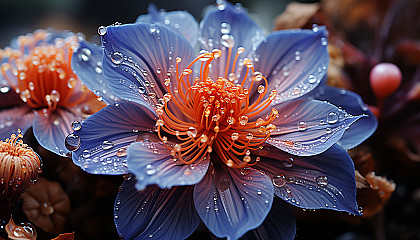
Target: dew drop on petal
x=122 y=152
x=150 y=169
x=279 y=180
x=225 y=28
x=86 y=153
x=302 y=126
x=312 y=79
x=76 y=125
x=106 y=145
x=84 y=54
x=332 y=118
x=288 y=162
x=227 y=41
x=72 y=142
x=102 y=30
x=322 y=181
x=117 y=58
x=221 y=5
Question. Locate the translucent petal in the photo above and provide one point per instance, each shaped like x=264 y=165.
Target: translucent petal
x=308 y=127
x=13 y=119
x=231 y=202
x=353 y=104
x=152 y=163
x=297 y=66
x=105 y=135
x=155 y=213
x=87 y=64
x=225 y=26
x=279 y=224
x=181 y=22
x=50 y=129
x=138 y=59
x=324 y=181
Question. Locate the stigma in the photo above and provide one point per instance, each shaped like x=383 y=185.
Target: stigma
x=219 y=115
x=41 y=73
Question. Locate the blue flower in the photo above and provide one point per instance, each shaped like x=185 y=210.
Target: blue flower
x=213 y=138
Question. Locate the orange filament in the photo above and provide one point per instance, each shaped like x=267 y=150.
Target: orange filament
x=42 y=75
x=19 y=165
x=218 y=113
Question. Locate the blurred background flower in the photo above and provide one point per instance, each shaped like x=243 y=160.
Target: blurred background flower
x=392 y=153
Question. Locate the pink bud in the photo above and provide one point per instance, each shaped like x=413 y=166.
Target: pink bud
x=385 y=78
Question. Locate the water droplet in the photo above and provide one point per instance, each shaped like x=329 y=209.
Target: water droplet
x=243 y=120
x=232 y=77
x=98 y=70
x=76 y=125
x=315 y=28
x=221 y=5
x=86 y=153
x=288 y=162
x=227 y=41
x=249 y=136
x=279 y=180
x=84 y=54
x=261 y=89
x=297 y=145
x=107 y=145
x=47 y=209
x=324 y=41
x=322 y=181
x=102 y=30
x=72 y=142
x=257 y=76
x=302 y=126
x=4 y=89
x=192 y=132
x=117 y=58
x=235 y=136
x=187 y=172
x=225 y=28
x=312 y=79
x=230 y=120
x=150 y=169
x=332 y=118
x=122 y=152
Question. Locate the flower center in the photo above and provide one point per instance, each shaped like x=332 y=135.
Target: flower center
x=221 y=117
x=41 y=73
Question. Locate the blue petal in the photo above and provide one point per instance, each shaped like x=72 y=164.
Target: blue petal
x=152 y=163
x=108 y=133
x=87 y=64
x=231 y=202
x=353 y=104
x=51 y=129
x=293 y=61
x=232 y=21
x=308 y=127
x=324 y=181
x=13 y=119
x=155 y=213
x=280 y=224
x=139 y=57
x=181 y=22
